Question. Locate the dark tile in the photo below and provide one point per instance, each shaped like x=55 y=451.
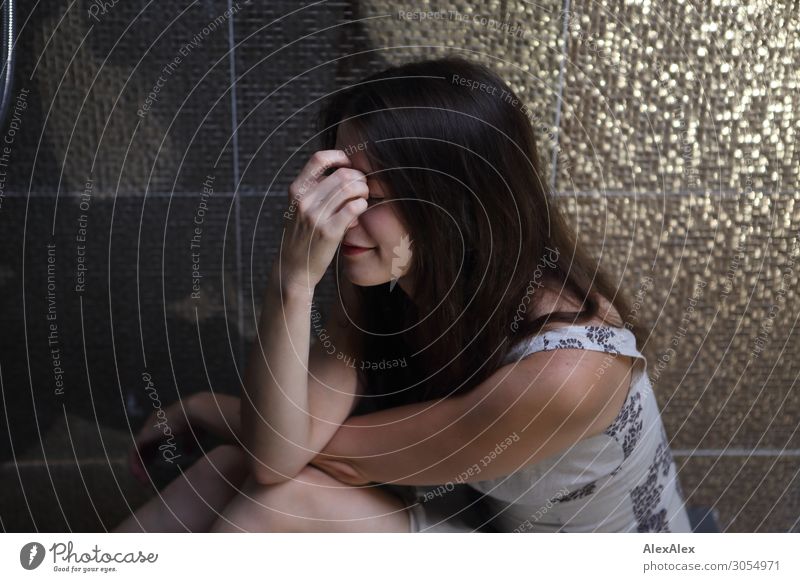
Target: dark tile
x=288 y=58
x=135 y=313
x=285 y=60
x=68 y=497
x=262 y=226
x=90 y=72
x=77 y=478
x=189 y=338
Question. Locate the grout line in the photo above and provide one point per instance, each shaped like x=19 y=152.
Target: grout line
x=260 y=194
x=110 y=195
x=65 y=462
x=731 y=452
x=559 y=96
x=656 y=193
x=237 y=199
x=234 y=111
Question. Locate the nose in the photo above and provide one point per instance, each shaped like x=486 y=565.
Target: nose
x=353 y=224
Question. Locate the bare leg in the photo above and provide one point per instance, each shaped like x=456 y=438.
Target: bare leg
x=192 y=502
x=312 y=502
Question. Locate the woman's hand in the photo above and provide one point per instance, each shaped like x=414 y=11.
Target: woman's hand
x=161 y=424
x=216 y=413
x=339 y=470
x=319 y=214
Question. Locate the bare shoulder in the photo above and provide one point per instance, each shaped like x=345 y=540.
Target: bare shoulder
x=588 y=386
x=573 y=372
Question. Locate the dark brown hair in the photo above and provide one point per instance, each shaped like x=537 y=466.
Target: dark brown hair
x=462 y=161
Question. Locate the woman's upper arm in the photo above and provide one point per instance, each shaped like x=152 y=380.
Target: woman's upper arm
x=521 y=414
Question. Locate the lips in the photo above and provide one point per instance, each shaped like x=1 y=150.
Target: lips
x=356 y=247
x=349 y=250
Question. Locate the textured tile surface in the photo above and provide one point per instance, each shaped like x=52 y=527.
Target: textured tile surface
x=286 y=60
x=676 y=96
x=134 y=98
x=752 y=494
x=715 y=279
x=680 y=115
x=135 y=313
x=521 y=41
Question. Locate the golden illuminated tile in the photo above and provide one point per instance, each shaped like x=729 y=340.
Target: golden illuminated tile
x=671 y=96
x=717 y=282
x=753 y=493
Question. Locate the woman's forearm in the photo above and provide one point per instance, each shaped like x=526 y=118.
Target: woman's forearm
x=274 y=405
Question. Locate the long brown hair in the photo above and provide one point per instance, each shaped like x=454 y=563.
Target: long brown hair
x=461 y=160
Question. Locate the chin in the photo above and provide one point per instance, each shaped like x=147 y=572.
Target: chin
x=365 y=280
x=365 y=276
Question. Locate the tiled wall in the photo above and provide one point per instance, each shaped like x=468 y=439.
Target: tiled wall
x=669 y=130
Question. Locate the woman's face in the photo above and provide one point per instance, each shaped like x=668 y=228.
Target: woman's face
x=378 y=228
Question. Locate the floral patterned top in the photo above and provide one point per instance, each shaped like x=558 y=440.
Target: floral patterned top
x=623 y=479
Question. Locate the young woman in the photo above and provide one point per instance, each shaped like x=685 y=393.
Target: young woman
x=473 y=346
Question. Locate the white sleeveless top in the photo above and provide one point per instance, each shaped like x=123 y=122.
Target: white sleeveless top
x=622 y=480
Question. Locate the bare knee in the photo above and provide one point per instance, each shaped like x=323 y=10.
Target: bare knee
x=219 y=474
x=316 y=501
x=278 y=506
x=305 y=492
x=192 y=500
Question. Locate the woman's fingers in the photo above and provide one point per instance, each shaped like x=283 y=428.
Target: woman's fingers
x=148 y=431
x=173 y=417
x=136 y=457
x=144 y=442
x=136 y=466
x=338 y=189
x=349 y=212
x=312 y=237
x=314 y=170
